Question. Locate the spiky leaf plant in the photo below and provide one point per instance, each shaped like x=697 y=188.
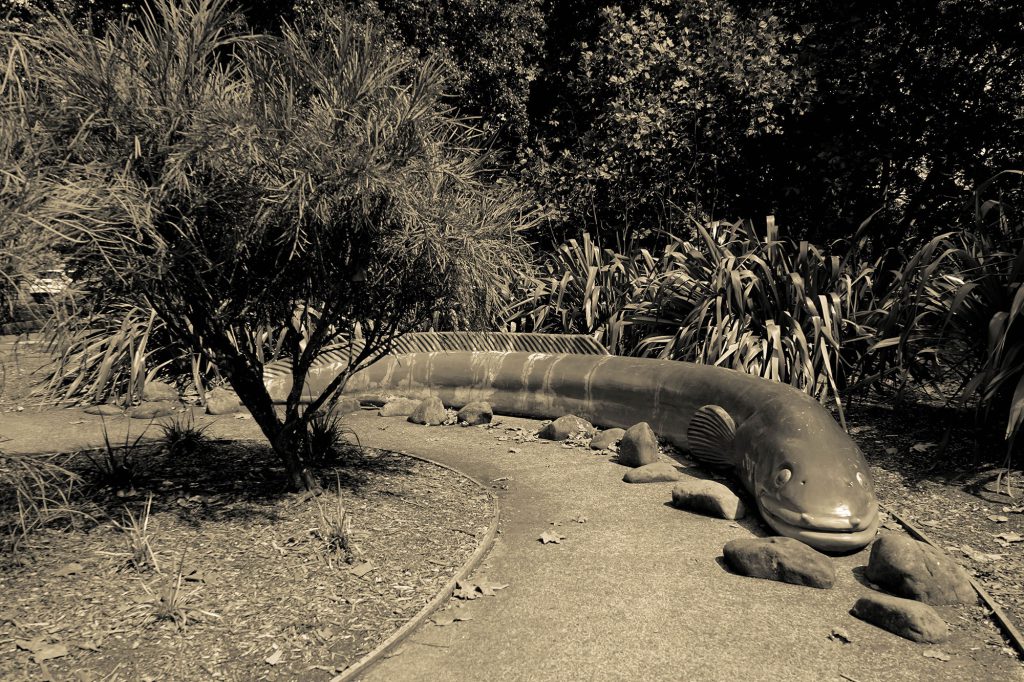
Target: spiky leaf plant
x=233 y=183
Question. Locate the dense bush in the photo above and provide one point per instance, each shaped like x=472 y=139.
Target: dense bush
x=728 y=296
x=233 y=182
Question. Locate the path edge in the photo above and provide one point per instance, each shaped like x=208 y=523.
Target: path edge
x=369 y=660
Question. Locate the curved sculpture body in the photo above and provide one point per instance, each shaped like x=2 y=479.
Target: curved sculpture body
x=810 y=480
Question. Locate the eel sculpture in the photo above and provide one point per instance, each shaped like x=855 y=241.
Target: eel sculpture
x=808 y=477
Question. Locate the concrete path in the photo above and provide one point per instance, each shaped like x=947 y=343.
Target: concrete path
x=636 y=592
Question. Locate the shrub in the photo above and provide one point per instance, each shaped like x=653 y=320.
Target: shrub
x=764 y=305
x=237 y=182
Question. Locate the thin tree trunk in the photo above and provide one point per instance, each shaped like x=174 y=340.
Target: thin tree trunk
x=284 y=438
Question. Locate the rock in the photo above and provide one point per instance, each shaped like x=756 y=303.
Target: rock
x=476 y=413
x=106 y=410
x=158 y=391
x=606 y=439
x=152 y=410
x=399 y=407
x=429 y=411
x=639 y=446
x=347 y=406
x=708 y=497
x=222 y=401
x=564 y=427
x=908 y=568
x=779 y=558
x=904 y=617
x=652 y=473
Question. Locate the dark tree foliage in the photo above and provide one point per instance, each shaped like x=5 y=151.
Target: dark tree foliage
x=489 y=49
x=658 y=107
x=916 y=103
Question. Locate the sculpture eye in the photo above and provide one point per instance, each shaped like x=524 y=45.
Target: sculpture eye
x=782 y=478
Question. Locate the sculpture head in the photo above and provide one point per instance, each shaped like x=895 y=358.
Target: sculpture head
x=815 y=487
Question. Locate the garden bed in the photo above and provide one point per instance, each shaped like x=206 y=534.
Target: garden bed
x=261 y=594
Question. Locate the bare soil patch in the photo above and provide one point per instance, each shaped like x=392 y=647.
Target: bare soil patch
x=285 y=607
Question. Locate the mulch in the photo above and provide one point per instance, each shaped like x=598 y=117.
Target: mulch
x=266 y=599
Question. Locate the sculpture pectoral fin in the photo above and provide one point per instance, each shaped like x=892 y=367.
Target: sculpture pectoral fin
x=711 y=436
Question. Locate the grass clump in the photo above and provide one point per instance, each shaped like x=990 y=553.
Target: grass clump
x=36 y=490
x=182 y=436
x=334 y=528
x=327 y=439
x=116 y=467
x=139 y=537
x=171 y=602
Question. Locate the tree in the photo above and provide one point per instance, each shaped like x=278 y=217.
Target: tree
x=660 y=106
x=490 y=50
x=915 y=105
x=237 y=183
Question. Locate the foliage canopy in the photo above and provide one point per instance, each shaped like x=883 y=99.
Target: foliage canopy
x=235 y=183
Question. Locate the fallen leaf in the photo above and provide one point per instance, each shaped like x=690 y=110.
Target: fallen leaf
x=195 y=576
x=31 y=645
x=487 y=588
x=922 y=447
x=80 y=421
x=40 y=649
x=243 y=416
x=980 y=557
x=1014 y=510
x=1010 y=537
x=891 y=451
x=70 y=569
x=89 y=645
x=274 y=658
x=362 y=569
x=464 y=591
x=514 y=451
x=556 y=523
x=840 y=635
x=445 y=620
x=580 y=519
x=936 y=654
x=551 y=537
x=998 y=518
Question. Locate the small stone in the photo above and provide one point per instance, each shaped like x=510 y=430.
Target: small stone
x=346 y=406
x=606 y=439
x=106 y=410
x=657 y=472
x=779 y=558
x=476 y=413
x=639 y=446
x=157 y=391
x=566 y=426
x=222 y=401
x=904 y=617
x=708 y=497
x=915 y=570
x=430 y=411
x=399 y=407
x=152 y=410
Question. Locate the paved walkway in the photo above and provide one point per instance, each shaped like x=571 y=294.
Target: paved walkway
x=636 y=592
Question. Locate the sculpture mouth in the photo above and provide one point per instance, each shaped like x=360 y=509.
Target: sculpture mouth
x=830 y=532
